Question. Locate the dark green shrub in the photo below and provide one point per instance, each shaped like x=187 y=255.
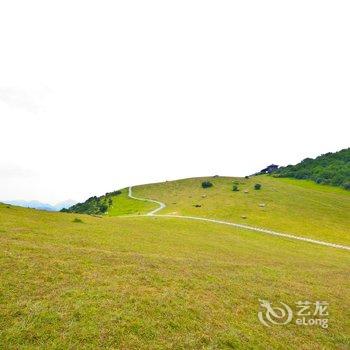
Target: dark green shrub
x=257 y=186
x=77 y=220
x=235 y=188
x=206 y=184
x=114 y=193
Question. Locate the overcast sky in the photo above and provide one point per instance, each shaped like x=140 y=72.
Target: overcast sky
x=99 y=95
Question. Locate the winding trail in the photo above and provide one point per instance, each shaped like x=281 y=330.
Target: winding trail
x=161 y=205
x=247 y=227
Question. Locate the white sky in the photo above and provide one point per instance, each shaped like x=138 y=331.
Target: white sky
x=98 y=95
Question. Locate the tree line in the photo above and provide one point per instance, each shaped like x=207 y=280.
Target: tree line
x=94 y=205
x=329 y=169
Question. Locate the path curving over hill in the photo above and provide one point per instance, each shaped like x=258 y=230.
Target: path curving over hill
x=247 y=227
x=161 y=205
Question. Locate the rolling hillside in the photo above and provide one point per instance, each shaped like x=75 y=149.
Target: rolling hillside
x=121 y=278
x=293 y=206
x=78 y=281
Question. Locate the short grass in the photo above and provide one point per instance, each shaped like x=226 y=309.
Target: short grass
x=292 y=206
x=159 y=283
x=123 y=205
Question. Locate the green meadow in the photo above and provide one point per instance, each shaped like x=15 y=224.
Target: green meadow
x=119 y=282
x=293 y=206
x=123 y=205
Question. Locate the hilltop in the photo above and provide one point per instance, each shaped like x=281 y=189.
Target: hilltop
x=287 y=205
x=328 y=169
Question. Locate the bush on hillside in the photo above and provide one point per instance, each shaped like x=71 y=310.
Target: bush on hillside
x=235 y=188
x=206 y=184
x=114 y=193
x=257 y=186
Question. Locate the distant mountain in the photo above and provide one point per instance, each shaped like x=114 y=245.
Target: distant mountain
x=31 y=204
x=329 y=169
x=65 y=204
x=42 y=206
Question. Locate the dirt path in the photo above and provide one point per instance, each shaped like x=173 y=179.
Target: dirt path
x=247 y=227
x=161 y=205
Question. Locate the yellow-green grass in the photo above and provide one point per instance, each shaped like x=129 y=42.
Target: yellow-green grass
x=123 y=205
x=159 y=283
x=292 y=206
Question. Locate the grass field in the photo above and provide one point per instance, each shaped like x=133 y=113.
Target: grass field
x=123 y=205
x=292 y=206
x=117 y=282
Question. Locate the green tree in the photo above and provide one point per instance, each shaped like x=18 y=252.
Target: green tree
x=327 y=169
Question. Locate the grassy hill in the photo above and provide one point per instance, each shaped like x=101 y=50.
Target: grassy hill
x=163 y=283
x=123 y=280
x=123 y=205
x=293 y=206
